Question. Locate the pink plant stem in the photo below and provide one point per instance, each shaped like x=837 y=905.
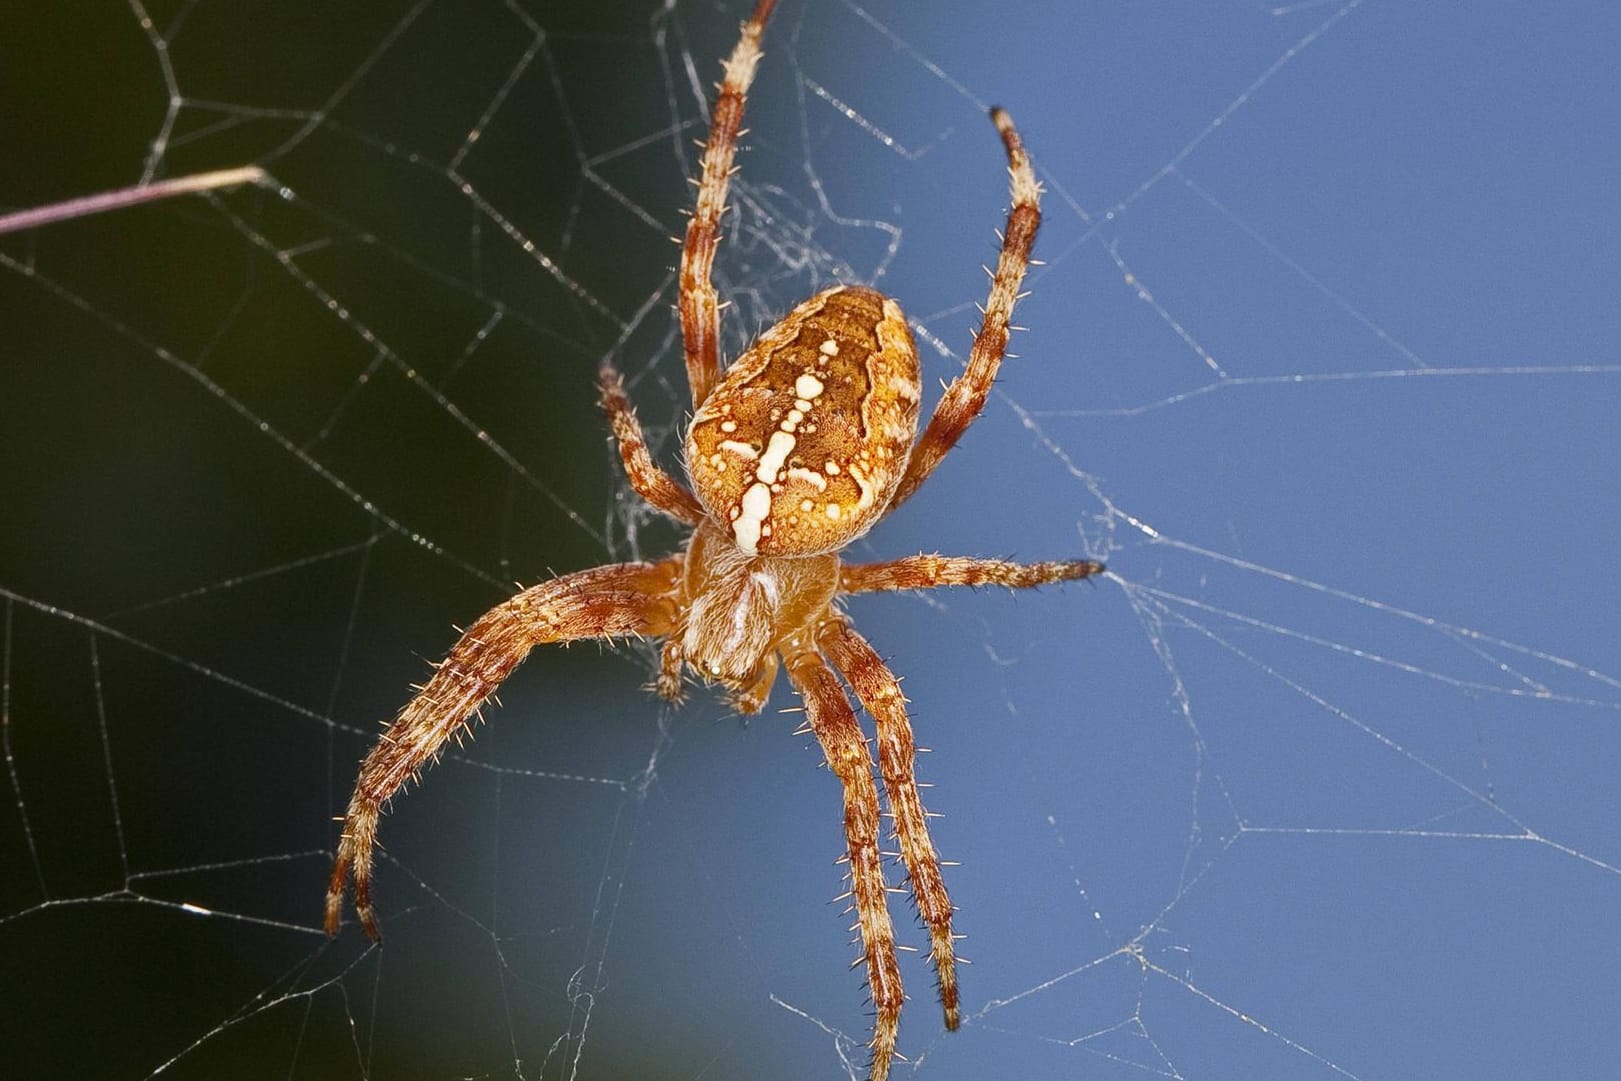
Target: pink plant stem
x=123 y=197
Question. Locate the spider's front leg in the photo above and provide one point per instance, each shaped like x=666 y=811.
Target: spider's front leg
x=929 y=571
x=661 y=491
x=623 y=599
x=965 y=398
x=698 y=303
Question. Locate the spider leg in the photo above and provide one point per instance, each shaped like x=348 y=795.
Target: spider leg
x=667 y=684
x=879 y=691
x=965 y=397
x=699 y=306
x=834 y=722
x=653 y=484
x=928 y=571
x=627 y=598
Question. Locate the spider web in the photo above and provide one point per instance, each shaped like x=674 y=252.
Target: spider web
x=1317 y=783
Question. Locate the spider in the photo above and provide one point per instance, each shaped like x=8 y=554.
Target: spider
x=794 y=451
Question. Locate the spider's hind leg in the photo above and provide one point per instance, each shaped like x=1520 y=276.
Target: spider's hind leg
x=604 y=602
x=880 y=694
x=834 y=722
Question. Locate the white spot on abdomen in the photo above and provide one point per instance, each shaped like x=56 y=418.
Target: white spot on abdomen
x=809 y=476
x=776 y=453
x=868 y=490
x=749 y=523
x=746 y=526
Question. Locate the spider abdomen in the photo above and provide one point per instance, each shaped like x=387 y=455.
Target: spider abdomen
x=799 y=449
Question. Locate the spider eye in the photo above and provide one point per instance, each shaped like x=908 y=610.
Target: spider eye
x=799 y=448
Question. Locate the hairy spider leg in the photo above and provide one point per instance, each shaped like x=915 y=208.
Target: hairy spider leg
x=929 y=571
x=833 y=721
x=621 y=599
x=965 y=398
x=661 y=491
x=880 y=694
x=698 y=303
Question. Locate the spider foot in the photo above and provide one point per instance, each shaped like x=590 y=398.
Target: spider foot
x=944 y=956
x=363 y=906
x=354 y=857
x=883 y=1044
x=668 y=684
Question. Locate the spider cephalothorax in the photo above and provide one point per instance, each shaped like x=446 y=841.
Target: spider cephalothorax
x=798 y=448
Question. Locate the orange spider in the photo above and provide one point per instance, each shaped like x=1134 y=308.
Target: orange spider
x=800 y=447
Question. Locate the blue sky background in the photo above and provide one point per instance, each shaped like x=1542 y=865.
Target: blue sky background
x=1318 y=783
